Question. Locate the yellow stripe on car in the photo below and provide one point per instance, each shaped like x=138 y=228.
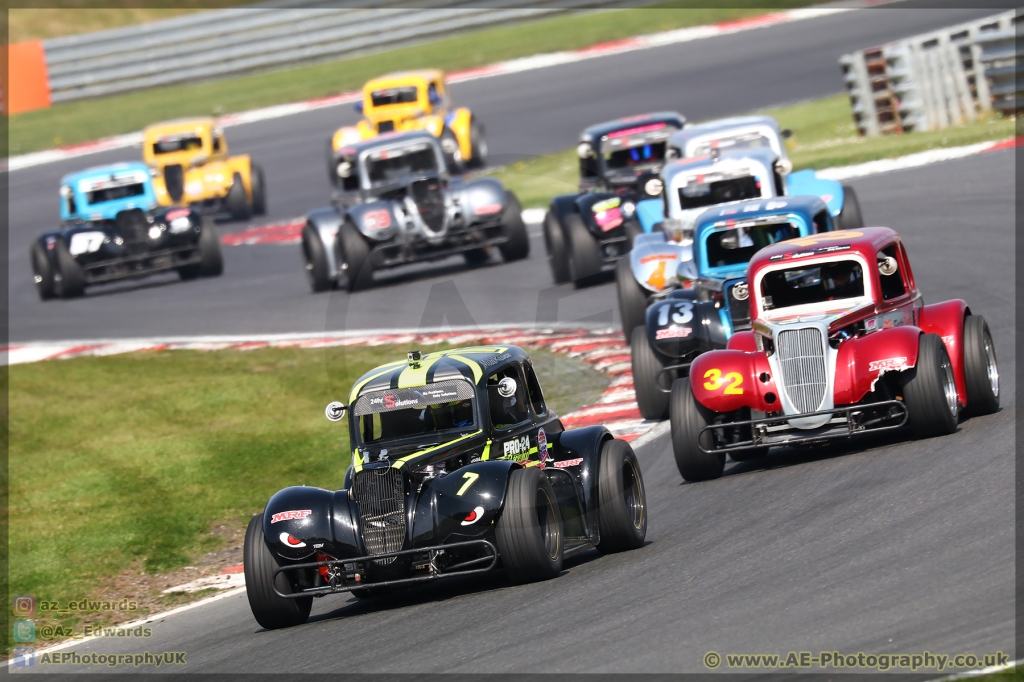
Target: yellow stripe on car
x=417 y=376
x=384 y=369
x=399 y=463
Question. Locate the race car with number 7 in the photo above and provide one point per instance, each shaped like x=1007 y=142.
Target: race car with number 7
x=842 y=344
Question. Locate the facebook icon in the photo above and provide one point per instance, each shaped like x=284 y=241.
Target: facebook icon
x=24 y=656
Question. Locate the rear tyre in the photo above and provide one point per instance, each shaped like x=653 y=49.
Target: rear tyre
x=237 y=202
x=69 y=279
x=980 y=367
x=42 y=272
x=650 y=385
x=517 y=244
x=849 y=217
x=259 y=191
x=478 y=143
x=314 y=258
x=271 y=611
x=929 y=390
x=622 y=515
x=554 y=240
x=584 y=257
x=529 y=530
x=687 y=417
x=353 y=257
x=632 y=298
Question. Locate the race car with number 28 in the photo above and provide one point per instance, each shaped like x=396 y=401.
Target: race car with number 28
x=458 y=467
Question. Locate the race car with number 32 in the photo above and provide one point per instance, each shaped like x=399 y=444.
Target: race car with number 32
x=458 y=467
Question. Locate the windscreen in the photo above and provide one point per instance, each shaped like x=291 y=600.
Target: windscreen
x=403 y=95
x=392 y=165
x=440 y=411
x=699 y=195
x=114 y=193
x=113 y=187
x=184 y=143
x=738 y=245
x=816 y=284
x=643 y=156
x=749 y=140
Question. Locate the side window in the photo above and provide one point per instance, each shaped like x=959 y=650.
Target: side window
x=533 y=388
x=507 y=401
x=822 y=221
x=217 y=143
x=69 y=202
x=892 y=283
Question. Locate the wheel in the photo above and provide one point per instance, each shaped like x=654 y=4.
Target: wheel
x=980 y=367
x=554 y=240
x=849 y=217
x=622 y=514
x=476 y=257
x=517 y=246
x=211 y=263
x=650 y=385
x=69 y=279
x=687 y=417
x=315 y=259
x=353 y=258
x=271 y=611
x=237 y=202
x=42 y=273
x=529 y=530
x=452 y=153
x=633 y=230
x=478 y=143
x=584 y=258
x=929 y=390
x=259 y=191
x=632 y=298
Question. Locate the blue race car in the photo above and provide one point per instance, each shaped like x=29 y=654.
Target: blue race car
x=749 y=133
x=708 y=300
x=112 y=228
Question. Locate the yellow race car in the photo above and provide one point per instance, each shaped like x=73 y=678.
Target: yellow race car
x=190 y=164
x=415 y=100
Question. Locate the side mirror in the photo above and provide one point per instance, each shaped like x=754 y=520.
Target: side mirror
x=786 y=133
x=358 y=106
x=887 y=266
x=335 y=411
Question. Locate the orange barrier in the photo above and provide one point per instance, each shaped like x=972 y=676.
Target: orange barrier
x=26 y=85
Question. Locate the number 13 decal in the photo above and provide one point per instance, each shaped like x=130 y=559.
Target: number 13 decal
x=732 y=381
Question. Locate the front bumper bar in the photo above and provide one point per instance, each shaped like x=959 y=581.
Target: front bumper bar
x=432 y=553
x=845 y=422
x=141 y=264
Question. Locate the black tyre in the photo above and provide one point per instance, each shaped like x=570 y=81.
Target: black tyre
x=687 y=417
x=42 y=272
x=622 y=515
x=584 y=257
x=271 y=611
x=849 y=217
x=478 y=143
x=211 y=263
x=237 y=202
x=929 y=390
x=259 y=191
x=529 y=530
x=633 y=230
x=980 y=367
x=69 y=279
x=554 y=240
x=314 y=258
x=476 y=257
x=512 y=226
x=451 y=151
x=355 y=271
x=632 y=298
x=649 y=383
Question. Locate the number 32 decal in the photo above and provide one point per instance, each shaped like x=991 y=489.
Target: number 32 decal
x=732 y=381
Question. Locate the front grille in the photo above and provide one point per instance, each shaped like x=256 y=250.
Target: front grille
x=429 y=197
x=131 y=225
x=801 y=354
x=385 y=126
x=381 y=498
x=739 y=306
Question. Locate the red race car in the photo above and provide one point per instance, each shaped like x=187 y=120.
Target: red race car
x=842 y=343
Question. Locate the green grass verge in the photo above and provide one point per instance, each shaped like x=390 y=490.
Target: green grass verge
x=824 y=135
x=86 y=120
x=127 y=462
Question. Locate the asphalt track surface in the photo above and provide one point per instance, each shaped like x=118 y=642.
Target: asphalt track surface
x=263 y=289
x=882 y=545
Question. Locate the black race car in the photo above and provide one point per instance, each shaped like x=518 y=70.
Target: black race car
x=458 y=467
x=620 y=162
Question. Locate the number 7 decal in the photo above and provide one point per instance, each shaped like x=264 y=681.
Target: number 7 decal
x=470 y=479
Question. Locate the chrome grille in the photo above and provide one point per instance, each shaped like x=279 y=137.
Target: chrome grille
x=429 y=197
x=381 y=498
x=801 y=354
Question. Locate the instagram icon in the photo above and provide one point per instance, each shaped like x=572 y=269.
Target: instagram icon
x=24 y=605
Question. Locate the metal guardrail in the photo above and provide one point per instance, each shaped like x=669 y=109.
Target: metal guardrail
x=935 y=80
x=235 y=41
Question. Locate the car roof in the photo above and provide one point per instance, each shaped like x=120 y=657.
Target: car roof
x=471 y=363
x=95 y=171
x=753 y=208
x=180 y=125
x=763 y=156
x=721 y=125
x=598 y=130
x=386 y=140
x=395 y=78
x=865 y=241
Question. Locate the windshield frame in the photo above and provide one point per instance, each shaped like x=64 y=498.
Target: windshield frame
x=704 y=265
x=364 y=166
x=821 y=307
x=766 y=131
